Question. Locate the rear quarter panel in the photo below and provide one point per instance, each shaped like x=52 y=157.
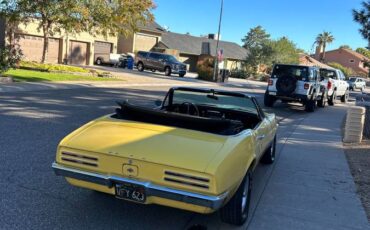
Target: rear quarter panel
x=231 y=164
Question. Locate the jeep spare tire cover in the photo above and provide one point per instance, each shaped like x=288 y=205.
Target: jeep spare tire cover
x=286 y=85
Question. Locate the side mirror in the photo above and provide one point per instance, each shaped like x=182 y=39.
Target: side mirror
x=158 y=103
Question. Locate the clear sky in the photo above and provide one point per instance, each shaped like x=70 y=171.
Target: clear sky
x=299 y=20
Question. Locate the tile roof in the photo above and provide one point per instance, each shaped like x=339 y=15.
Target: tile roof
x=151 y=26
x=189 y=44
x=305 y=59
x=354 y=53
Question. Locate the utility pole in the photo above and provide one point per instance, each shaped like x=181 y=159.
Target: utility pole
x=215 y=67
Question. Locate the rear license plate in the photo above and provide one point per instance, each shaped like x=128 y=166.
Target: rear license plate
x=272 y=93
x=132 y=192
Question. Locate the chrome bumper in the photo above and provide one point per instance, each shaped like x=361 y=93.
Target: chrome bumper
x=213 y=202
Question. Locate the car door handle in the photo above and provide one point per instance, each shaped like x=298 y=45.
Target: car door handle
x=260 y=137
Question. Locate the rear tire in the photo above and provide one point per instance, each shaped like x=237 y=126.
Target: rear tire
x=140 y=66
x=332 y=99
x=344 y=97
x=99 y=61
x=310 y=105
x=269 y=100
x=322 y=102
x=167 y=71
x=236 y=211
x=269 y=156
x=181 y=74
x=153 y=70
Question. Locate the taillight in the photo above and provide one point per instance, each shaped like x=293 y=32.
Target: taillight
x=271 y=82
x=329 y=84
x=306 y=86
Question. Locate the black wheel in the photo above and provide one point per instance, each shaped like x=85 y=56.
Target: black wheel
x=140 y=66
x=153 y=70
x=344 y=97
x=310 y=105
x=236 y=210
x=269 y=156
x=333 y=98
x=322 y=102
x=167 y=71
x=269 y=100
x=181 y=74
x=99 y=61
x=351 y=89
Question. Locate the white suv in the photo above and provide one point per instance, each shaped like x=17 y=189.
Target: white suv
x=296 y=83
x=356 y=83
x=334 y=81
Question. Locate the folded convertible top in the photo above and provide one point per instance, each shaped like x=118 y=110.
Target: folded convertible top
x=212 y=125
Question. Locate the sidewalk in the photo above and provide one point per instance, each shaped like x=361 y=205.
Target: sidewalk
x=311 y=186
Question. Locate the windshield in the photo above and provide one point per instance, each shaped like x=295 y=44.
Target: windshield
x=217 y=99
x=171 y=58
x=299 y=72
x=327 y=73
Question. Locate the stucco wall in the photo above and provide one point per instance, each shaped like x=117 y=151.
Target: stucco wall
x=32 y=29
x=344 y=58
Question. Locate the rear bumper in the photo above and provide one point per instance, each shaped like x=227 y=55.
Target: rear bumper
x=213 y=202
x=293 y=97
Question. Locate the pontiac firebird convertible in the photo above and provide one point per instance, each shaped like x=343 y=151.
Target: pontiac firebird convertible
x=195 y=151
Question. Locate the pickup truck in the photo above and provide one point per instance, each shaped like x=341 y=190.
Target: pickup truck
x=108 y=59
x=334 y=81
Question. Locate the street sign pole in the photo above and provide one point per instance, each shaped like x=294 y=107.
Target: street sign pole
x=215 y=67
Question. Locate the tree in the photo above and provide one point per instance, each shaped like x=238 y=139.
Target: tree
x=284 y=51
x=256 y=42
x=363 y=18
x=75 y=16
x=345 y=47
x=364 y=52
x=323 y=40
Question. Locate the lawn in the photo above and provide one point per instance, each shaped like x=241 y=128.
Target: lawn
x=21 y=75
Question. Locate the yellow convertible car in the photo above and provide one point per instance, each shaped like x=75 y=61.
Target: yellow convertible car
x=196 y=151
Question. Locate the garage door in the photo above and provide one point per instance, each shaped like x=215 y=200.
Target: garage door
x=144 y=42
x=32 y=47
x=77 y=53
x=102 y=47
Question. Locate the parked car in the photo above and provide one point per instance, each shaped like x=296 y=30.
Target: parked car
x=334 y=81
x=197 y=151
x=295 y=83
x=108 y=59
x=162 y=62
x=356 y=83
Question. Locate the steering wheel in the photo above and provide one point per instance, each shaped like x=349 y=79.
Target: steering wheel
x=188 y=110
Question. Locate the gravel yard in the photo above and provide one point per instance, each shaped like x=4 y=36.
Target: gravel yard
x=359 y=161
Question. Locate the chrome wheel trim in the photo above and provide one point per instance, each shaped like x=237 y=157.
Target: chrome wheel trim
x=245 y=198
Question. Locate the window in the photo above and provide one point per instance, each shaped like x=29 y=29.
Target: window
x=154 y=55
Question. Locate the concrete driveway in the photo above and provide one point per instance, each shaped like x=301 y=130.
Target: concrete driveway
x=309 y=186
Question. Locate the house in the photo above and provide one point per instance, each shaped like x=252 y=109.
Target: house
x=79 y=49
x=189 y=48
x=347 y=58
x=145 y=39
x=307 y=60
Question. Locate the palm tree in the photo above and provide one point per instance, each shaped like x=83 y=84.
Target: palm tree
x=322 y=40
x=363 y=17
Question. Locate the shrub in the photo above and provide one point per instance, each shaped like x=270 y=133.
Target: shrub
x=10 y=56
x=347 y=71
x=205 y=69
x=51 y=67
x=242 y=74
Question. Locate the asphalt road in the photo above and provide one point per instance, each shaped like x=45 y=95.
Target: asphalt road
x=32 y=197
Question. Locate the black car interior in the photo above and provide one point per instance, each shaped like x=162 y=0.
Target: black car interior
x=190 y=116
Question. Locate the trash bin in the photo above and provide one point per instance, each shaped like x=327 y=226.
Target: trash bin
x=223 y=75
x=130 y=62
